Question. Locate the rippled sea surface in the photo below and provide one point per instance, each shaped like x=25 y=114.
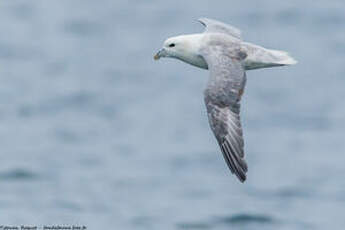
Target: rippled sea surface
x=94 y=132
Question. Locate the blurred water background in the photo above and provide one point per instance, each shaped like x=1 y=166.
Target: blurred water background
x=94 y=132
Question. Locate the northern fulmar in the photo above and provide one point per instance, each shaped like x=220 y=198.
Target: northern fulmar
x=221 y=50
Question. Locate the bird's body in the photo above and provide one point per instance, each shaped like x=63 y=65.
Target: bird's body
x=221 y=50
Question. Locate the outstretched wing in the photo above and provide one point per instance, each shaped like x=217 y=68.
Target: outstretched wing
x=213 y=26
x=222 y=98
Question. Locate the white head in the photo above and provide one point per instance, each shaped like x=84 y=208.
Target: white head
x=185 y=48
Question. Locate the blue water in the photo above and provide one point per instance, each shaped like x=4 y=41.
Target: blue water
x=94 y=132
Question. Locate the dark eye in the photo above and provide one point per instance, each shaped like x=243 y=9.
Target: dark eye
x=172 y=45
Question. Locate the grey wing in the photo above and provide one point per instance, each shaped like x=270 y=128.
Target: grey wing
x=213 y=26
x=222 y=98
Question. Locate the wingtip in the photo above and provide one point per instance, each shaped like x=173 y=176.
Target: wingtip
x=202 y=20
x=236 y=164
x=241 y=177
x=243 y=180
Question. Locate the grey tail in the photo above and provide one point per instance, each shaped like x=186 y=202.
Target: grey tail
x=259 y=57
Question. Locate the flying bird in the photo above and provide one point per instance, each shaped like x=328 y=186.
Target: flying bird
x=221 y=50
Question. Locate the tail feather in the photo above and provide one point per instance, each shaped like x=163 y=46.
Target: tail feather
x=259 y=57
